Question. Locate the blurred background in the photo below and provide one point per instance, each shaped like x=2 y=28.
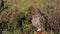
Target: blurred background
x=15 y=16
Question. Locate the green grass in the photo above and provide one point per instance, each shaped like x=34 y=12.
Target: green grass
x=24 y=4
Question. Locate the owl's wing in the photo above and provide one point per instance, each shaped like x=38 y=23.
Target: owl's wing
x=43 y=21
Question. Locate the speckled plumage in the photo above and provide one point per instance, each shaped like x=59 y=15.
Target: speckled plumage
x=38 y=19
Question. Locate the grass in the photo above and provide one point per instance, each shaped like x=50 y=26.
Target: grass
x=25 y=4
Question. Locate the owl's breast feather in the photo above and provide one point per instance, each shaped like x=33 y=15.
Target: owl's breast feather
x=36 y=22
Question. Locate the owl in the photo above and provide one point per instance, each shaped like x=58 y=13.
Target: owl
x=38 y=19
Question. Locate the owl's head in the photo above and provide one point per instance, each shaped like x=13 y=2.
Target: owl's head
x=35 y=12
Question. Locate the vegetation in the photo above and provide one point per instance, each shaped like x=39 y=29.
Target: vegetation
x=15 y=16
